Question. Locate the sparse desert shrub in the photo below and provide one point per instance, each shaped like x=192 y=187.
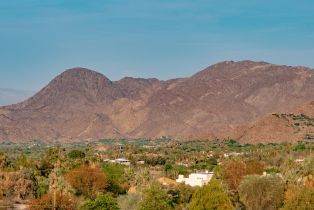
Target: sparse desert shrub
x=299 y=197
x=262 y=192
x=129 y=201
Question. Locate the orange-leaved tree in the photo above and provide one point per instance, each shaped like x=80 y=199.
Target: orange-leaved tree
x=63 y=201
x=233 y=172
x=87 y=180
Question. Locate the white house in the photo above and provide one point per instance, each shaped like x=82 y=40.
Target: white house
x=121 y=161
x=196 y=179
x=232 y=154
x=299 y=160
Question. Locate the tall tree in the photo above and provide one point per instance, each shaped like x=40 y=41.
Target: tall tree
x=87 y=180
x=233 y=172
x=211 y=196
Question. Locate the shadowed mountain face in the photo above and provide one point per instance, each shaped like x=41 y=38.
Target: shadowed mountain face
x=83 y=104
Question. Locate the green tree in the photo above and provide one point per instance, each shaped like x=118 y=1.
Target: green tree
x=155 y=199
x=185 y=193
x=180 y=195
x=261 y=192
x=211 y=196
x=102 y=202
x=75 y=153
x=117 y=178
x=299 y=147
x=168 y=167
x=42 y=186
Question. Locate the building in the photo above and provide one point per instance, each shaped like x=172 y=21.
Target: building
x=232 y=154
x=196 y=179
x=141 y=162
x=121 y=161
x=301 y=160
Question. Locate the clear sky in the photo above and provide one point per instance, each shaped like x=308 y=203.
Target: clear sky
x=147 y=38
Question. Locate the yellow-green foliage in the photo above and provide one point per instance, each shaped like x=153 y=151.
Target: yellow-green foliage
x=211 y=196
x=297 y=197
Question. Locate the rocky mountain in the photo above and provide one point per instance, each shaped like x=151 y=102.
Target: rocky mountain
x=292 y=126
x=11 y=96
x=81 y=104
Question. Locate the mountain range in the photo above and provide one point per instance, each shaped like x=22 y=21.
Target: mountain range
x=243 y=100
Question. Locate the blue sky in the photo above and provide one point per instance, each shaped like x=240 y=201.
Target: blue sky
x=146 y=38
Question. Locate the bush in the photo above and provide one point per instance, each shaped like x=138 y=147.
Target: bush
x=129 y=201
x=155 y=199
x=116 y=178
x=261 y=192
x=74 y=154
x=299 y=147
x=64 y=202
x=102 y=202
x=299 y=197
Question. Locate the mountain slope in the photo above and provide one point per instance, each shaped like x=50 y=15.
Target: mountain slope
x=292 y=126
x=83 y=104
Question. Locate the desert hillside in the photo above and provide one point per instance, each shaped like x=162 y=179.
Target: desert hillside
x=81 y=104
x=292 y=126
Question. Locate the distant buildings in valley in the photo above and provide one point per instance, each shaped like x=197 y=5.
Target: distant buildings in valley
x=232 y=154
x=121 y=161
x=300 y=160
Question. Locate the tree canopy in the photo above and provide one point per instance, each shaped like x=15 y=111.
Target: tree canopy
x=262 y=192
x=211 y=196
x=297 y=197
x=87 y=180
x=102 y=202
x=155 y=198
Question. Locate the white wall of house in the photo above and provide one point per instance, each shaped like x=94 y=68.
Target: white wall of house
x=196 y=179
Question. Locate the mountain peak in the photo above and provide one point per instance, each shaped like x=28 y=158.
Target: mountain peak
x=231 y=69
x=83 y=104
x=78 y=73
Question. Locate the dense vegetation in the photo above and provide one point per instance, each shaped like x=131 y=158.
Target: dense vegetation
x=81 y=176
